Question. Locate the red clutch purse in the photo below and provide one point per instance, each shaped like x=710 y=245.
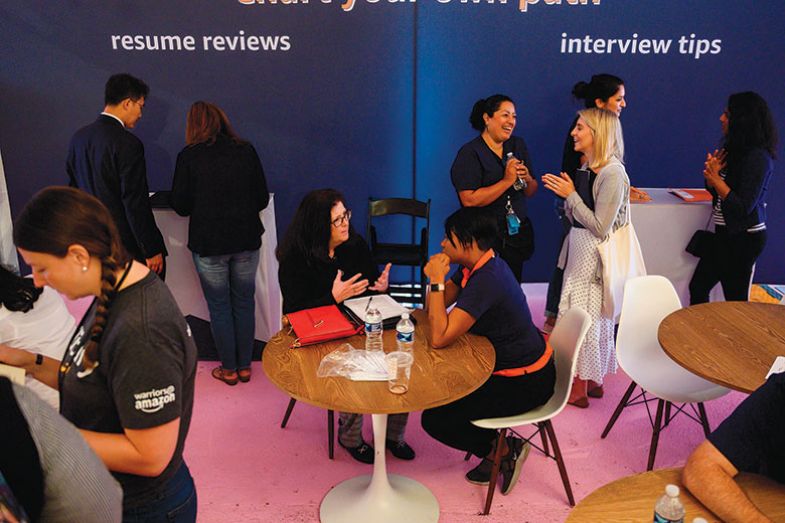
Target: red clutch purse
x=320 y=324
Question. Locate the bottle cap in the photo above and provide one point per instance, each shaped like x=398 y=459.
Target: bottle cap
x=672 y=491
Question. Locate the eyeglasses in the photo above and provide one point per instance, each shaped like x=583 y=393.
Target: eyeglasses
x=344 y=218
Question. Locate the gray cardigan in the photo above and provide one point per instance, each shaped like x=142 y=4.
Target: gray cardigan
x=611 y=201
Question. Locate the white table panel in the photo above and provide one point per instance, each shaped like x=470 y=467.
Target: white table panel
x=183 y=281
x=664 y=227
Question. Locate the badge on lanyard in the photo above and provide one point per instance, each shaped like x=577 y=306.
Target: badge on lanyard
x=513 y=222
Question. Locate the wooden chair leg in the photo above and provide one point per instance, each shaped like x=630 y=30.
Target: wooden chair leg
x=655 y=434
x=497 y=461
x=667 y=413
x=560 y=462
x=289 y=408
x=619 y=408
x=704 y=419
x=330 y=434
x=544 y=437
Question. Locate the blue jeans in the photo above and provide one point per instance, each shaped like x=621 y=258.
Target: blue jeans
x=175 y=502
x=228 y=283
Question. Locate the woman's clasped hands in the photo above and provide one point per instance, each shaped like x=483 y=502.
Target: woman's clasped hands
x=561 y=185
x=715 y=162
x=438 y=267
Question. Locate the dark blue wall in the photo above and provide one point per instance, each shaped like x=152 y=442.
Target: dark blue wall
x=374 y=101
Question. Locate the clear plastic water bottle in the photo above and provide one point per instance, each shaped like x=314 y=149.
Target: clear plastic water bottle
x=669 y=508
x=404 y=333
x=373 y=330
x=519 y=184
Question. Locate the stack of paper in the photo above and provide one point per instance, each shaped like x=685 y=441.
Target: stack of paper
x=387 y=306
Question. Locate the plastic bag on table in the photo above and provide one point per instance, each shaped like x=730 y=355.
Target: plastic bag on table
x=354 y=364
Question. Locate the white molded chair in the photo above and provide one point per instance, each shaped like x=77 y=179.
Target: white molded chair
x=647 y=301
x=566 y=339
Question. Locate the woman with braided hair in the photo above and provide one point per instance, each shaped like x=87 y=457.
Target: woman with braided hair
x=126 y=380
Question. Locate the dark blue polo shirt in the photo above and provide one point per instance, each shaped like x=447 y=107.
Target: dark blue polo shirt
x=495 y=300
x=753 y=436
x=476 y=166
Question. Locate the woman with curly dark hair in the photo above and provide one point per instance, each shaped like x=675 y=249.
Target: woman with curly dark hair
x=323 y=261
x=737 y=176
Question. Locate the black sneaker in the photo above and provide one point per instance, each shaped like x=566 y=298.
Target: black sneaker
x=363 y=453
x=400 y=449
x=481 y=474
x=511 y=463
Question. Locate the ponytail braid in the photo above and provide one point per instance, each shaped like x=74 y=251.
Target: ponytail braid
x=109 y=267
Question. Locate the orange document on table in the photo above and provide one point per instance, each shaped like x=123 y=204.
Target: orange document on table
x=692 y=195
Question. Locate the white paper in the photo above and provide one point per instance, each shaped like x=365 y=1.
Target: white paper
x=15 y=374
x=777 y=367
x=387 y=306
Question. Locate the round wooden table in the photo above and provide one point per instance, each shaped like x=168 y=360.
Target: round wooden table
x=728 y=343
x=633 y=498
x=438 y=377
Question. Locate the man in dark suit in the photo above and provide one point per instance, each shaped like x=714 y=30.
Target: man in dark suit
x=107 y=161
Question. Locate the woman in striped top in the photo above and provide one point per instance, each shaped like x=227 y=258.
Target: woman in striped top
x=737 y=176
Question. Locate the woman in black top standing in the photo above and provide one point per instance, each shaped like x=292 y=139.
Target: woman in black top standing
x=604 y=91
x=219 y=182
x=323 y=261
x=483 y=177
x=737 y=176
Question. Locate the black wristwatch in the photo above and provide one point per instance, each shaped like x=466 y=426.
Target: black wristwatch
x=437 y=287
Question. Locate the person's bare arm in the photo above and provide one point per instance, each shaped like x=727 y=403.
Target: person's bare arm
x=144 y=452
x=46 y=372
x=708 y=475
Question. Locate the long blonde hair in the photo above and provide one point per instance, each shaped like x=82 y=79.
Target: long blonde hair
x=606 y=132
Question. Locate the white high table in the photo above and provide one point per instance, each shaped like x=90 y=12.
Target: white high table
x=184 y=283
x=664 y=227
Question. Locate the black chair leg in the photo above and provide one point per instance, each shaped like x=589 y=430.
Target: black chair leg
x=544 y=437
x=655 y=434
x=619 y=408
x=289 y=408
x=667 y=413
x=497 y=461
x=560 y=462
x=330 y=433
x=704 y=419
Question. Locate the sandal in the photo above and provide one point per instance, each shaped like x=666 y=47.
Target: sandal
x=244 y=375
x=227 y=376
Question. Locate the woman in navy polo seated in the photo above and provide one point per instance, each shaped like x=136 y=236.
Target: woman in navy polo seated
x=323 y=261
x=737 y=178
x=483 y=177
x=488 y=302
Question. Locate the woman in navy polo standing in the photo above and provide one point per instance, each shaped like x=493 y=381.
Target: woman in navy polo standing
x=493 y=171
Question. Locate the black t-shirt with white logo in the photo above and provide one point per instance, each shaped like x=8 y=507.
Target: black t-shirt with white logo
x=144 y=377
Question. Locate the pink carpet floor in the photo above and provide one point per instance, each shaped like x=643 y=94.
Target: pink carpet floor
x=247 y=468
